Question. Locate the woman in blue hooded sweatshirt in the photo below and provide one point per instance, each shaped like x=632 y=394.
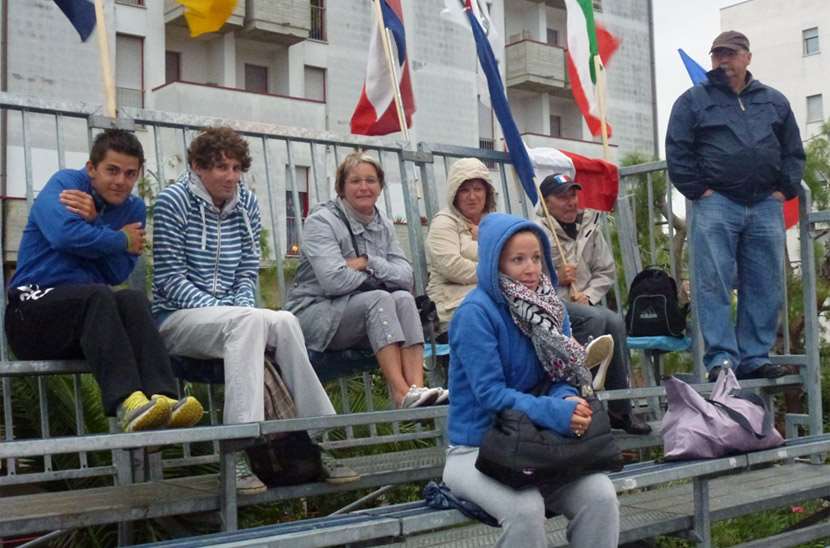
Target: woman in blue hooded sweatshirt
x=497 y=337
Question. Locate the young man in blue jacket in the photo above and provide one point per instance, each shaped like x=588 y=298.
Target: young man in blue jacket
x=206 y=231
x=84 y=234
x=734 y=149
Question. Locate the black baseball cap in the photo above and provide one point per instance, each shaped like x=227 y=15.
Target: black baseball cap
x=557 y=184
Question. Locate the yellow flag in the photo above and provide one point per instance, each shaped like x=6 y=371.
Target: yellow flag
x=206 y=15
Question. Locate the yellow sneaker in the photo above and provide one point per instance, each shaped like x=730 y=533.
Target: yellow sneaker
x=184 y=413
x=137 y=413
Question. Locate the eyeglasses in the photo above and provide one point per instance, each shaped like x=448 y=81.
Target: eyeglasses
x=367 y=180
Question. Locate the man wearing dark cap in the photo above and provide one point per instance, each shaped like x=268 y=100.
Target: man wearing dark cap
x=733 y=148
x=585 y=275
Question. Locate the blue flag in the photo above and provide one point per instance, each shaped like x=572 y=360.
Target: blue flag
x=696 y=72
x=81 y=13
x=516 y=148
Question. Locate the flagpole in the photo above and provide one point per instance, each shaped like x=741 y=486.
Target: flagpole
x=104 y=54
x=599 y=70
x=390 y=64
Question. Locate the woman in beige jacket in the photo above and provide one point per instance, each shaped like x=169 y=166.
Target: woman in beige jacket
x=452 y=242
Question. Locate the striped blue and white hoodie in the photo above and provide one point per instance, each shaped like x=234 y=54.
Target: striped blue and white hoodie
x=203 y=255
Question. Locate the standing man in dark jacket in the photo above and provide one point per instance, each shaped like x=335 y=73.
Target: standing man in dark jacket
x=734 y=149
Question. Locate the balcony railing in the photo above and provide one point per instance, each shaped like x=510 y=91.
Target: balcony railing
x=536 y=66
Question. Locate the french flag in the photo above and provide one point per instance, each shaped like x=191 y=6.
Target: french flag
x=375 y=113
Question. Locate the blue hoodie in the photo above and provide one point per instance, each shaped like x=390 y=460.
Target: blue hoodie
x=60 y=247
x=492 y=363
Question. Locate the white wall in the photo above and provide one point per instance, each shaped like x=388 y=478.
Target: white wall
x=774 y=32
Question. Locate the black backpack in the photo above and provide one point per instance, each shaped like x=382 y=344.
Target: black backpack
x=653 y=309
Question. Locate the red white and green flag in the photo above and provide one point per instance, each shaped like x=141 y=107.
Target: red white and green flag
x=586 y=38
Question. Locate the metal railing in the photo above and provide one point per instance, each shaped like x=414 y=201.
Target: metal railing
x=416 y=183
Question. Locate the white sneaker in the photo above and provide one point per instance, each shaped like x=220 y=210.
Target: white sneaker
x=419 y=396
x=246 y=481
x=443 y=396
x=598 y=353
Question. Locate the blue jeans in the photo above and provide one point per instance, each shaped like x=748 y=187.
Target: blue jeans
x=737 y=246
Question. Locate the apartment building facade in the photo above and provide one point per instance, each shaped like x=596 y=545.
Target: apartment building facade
x=301 y=64
x=790 y=45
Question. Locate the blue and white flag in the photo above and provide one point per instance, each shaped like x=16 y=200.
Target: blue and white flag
x=516 y=148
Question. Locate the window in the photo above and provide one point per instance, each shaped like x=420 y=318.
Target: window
x=553 y=37
x=129 y=70
x=318 y=20
x=815 y=109
x=810 y=38
x=315 y=83
x=555 y=126
x=172 y=66
x=256 y=78
x=291 y=225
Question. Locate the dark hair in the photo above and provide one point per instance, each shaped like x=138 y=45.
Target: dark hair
x=119 y=140
x=352 y=161
x=207 y=148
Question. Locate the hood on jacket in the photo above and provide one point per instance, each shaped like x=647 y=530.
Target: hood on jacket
x=463 y=170
x=493 y=233
x=197 y=188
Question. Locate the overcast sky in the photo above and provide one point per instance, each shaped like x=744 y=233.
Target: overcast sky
x=681 y=24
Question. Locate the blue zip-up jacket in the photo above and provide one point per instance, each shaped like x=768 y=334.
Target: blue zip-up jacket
x=492 y=363
x=59 y=247
x=744 y=146
x=204 y=256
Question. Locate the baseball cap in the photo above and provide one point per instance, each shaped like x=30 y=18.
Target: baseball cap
x=557 y=184
x=731 y=39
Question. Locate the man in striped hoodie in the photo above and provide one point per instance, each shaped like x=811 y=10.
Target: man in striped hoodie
x=206 y=230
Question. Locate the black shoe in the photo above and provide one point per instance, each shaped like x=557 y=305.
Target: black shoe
x=767 y=371
x=632 y=424
x=713 y=373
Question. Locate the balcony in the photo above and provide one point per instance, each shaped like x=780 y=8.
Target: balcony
x=282 y=21
x=536 y=66
x=591 y=149
x=238 y=104
x=174 y=15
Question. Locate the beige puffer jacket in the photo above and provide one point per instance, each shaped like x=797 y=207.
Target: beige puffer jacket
x=595 y=268
x=452 y=253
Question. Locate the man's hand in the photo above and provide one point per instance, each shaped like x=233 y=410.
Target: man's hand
x=779 y=196
x=580 y=297
x=566 y=274
x=80 y=203
x=358 y=263
x=135 y=238
x=474 y=232
x=708 y=192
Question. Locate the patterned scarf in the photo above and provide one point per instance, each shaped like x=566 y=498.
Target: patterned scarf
x=539 y=315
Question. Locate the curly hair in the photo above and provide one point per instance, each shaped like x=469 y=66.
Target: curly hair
x=207 y=148
x=352 y=161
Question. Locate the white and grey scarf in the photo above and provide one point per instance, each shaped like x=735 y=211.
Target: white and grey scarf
x=539 y=315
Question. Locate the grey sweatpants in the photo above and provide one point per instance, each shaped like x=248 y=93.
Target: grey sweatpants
x=379 y=318
x=240 y=336
x=589 y=503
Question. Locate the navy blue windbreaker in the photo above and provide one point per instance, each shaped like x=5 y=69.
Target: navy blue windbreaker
x=744 y=146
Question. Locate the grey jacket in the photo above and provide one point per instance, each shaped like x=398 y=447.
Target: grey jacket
x=324 y=283
x=595 y=270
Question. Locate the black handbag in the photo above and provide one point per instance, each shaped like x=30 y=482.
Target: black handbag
x=519 y=454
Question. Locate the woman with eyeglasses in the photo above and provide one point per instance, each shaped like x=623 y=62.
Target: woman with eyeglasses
x=353 y=286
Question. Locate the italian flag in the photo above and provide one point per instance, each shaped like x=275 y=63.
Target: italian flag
x=600 y=180
x=586 y=38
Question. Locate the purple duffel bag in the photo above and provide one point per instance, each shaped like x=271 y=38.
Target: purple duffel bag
x=730 y=422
